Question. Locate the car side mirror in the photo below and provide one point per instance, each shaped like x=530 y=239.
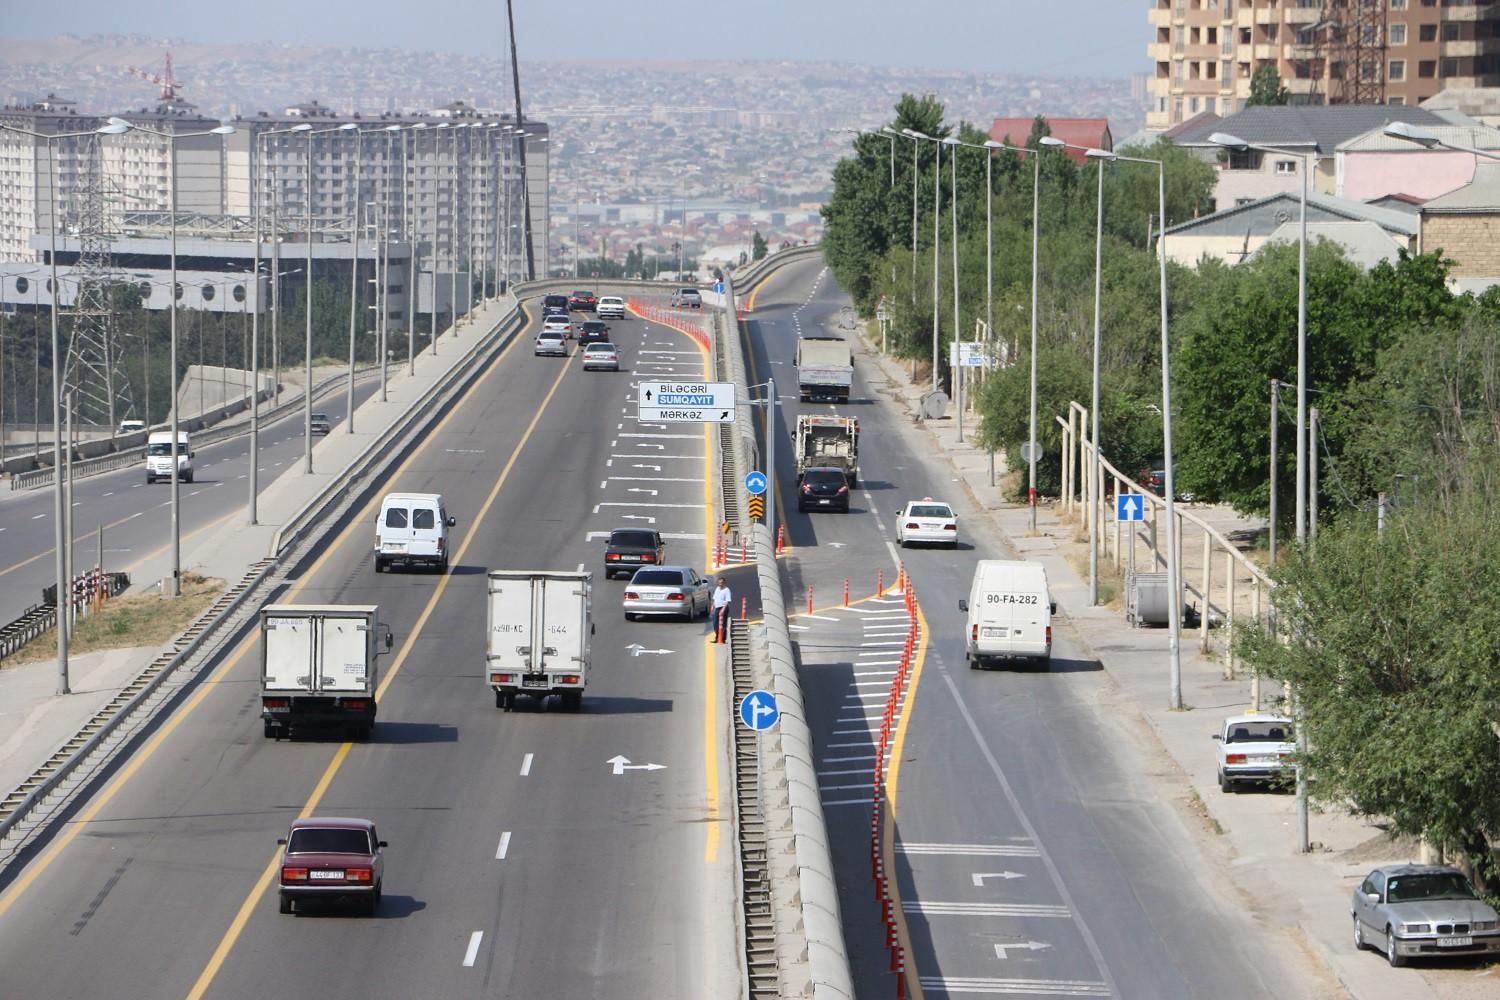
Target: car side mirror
x=1218 y=737
x=281 y=841
x=390 y=641
x=1052 y=608
x=963 y=605
x=452 y=521
x=1373 y=897
x=382 y=843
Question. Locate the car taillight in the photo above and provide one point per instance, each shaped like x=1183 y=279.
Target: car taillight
x=356 y=703
x=1282 y=755
x=649 y=557
x=844 y=488
x=676 y=597
x=274 y=703
x=1049 y=635
x=442 y=544
x=612 y=557
x=806 y=488
x=502 y=678
x=1234 y=758
x=293 y=874
x=912 y=524
x=950 y=527
x=974 y=633
x=357 y=874
x=631 y=595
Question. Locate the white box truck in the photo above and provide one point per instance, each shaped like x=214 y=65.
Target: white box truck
x=825 y=369
x=317 y=667
x=1010 y=611
x=540 y=633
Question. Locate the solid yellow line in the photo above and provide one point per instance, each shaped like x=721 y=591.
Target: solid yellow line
x=19 y=887
x=839 y=607
x=750 y=302
x=888 y=833
x=237 y=926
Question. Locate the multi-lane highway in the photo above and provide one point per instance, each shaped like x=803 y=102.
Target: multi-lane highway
x=522 y=862
x=1036 y=854
x=137 y=517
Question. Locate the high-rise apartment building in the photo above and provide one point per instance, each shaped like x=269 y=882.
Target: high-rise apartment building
x=1325 y=51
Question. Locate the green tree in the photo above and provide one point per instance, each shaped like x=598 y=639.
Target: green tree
x=1266 y=87
x=1392 y=646
x=758 y=247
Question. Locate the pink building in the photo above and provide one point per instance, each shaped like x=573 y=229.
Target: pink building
x=1374 y=164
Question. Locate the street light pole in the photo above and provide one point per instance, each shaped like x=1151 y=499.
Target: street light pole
x=354 y=202
x=409 y=221
x=956 y=374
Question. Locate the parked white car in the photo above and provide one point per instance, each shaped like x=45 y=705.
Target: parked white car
x=1254 y=748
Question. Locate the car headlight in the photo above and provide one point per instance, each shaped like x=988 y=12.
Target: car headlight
x=1416 y=928
x=1484 y=925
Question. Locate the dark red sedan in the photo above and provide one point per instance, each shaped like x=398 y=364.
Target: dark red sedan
x=332 y=858
x=583 y=300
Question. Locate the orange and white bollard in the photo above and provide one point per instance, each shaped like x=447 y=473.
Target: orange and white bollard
x=744 y=550
x=880 y=583
x=846 y=591
x=780 y=538
x=809 y=600
x=744 y=609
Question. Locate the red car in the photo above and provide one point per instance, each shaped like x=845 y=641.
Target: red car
x=583 y=300
x=332 y=858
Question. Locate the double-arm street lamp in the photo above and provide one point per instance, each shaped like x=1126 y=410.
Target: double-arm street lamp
x=937 y=218
x=60 y=510
x=906 y=134
x=307 y=194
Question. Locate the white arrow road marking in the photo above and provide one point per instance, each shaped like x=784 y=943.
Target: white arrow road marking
x=649 y=506
x=622 y=764
x=1025 y=987
x=979 y=878
x=636 y=649
x=638 y=517
x=647 y=444
x=654 y=468
x=985 y=909
x=836 y=545
x=1001 y=949
x=504 y=847
x=996 y=850
x=636 y=489
x=473 y=952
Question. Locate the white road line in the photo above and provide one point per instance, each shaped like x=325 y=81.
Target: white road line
x=473 y=952
x=873 y=673
x=863 y=744
x=845 y=802
x=873 y=611
x=504 y=846
x=839 y=774
x=683 y=437
x=840 y=788
x=526 y=765
x=590 y=536
x=652 y=506
x=1013 y=987
x=38 y=517
x=848 y=760
x=843 y=719
x=874 y=684
x=973 y=850
x=932 y=909
x=690 y=458
x=800 y=628
x=821 y=618
x=652 y=479
x=110 y=494
x=867 y=645
x=580 y=567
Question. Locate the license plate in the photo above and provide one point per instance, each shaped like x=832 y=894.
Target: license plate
x=1261 y=758
x=630 y=558
x=321 y=876
x=992 y=633
x=534 y=680
x=393 y=547
x=1455 y=942
x=825 y=501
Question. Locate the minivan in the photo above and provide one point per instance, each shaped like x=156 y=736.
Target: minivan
x=554 y=303
x=1010 y=611
x=412 y=528
x=159 y=457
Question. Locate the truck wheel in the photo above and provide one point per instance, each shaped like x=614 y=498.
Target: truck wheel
x=572 y=701
x=508 y=701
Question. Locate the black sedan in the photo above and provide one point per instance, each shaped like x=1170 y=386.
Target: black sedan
x=823 y=489
x=628 y=549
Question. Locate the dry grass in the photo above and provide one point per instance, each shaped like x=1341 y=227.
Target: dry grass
x=140 y=620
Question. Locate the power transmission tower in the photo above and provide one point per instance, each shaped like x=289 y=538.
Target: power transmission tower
x=95 y=370
x=1357 y=56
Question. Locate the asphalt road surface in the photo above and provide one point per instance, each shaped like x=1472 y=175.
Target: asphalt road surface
x=522 y=862
x=137 y=518
x=1036 y=854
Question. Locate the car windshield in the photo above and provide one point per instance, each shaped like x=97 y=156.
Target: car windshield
x=1434 y=885
x=634 y=539
x=580 y=294
x=164 y=448
x=602 y=350
x=1268 y=731
x=549 y=335
x=312 y=840
x=823 y=477
x=395 y=517
x=593 y=326
x=657 y=578
x=320 y=416
x=931 y=510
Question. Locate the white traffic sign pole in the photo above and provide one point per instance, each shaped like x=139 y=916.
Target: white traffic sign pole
x=771 y=459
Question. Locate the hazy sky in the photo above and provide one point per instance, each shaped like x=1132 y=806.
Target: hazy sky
x=1055 y=37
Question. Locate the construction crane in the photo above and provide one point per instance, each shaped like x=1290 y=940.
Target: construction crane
x=169 y=86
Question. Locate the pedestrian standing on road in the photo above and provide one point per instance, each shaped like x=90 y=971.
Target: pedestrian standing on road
x=722 y=598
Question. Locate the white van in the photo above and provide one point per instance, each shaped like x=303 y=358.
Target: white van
x=159 y=457
x=1010 y=613
x=412 y=528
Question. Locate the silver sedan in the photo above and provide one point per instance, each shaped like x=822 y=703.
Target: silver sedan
x=1422 y=911
x=667 y=590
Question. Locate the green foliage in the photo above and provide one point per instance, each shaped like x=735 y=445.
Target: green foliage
x=758 y=247
x=1266 y=87
x=1393 y=649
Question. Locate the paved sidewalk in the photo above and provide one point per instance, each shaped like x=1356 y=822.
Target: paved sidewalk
x=34 y=721
x=1310 y=891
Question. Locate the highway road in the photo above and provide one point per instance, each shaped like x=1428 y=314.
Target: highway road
x=137 y=518
x=1036 y=853
x=520 y=863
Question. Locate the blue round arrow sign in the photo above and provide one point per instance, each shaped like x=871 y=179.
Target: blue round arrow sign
x=758 y=710
x=755 y=483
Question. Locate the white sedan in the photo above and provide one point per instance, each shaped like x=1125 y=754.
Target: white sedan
x=927 y=521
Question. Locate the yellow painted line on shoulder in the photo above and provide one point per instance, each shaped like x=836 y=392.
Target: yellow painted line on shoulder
x=237 y=926
x=750 y=302
x=888 y=831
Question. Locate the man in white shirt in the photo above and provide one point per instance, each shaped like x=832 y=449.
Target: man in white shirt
x=722 y=599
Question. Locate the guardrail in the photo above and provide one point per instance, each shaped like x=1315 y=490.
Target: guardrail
x=222 y=431
x=761 y=269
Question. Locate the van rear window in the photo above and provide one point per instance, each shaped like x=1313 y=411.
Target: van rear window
x=395 y=517
x=422 y=517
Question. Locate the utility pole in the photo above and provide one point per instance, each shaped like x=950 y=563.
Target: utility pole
x=1275 y=407
x=515 y=71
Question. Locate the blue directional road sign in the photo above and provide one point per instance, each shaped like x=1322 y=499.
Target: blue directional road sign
x=719 y=287
x=755 y=483
x=1130 y=507
x=758 y=710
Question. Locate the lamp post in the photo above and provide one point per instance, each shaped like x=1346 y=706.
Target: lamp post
x=409 y=221
x=1233 y=142
x=59 y=503
x=906 y=133
x=956 y=374
x=437 y=146
x=937 y=216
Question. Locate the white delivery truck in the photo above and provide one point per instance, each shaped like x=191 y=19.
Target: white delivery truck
x=159 y=457
x=317 y=666
x=825 y=369
x=1010 y=613
x=540 y=631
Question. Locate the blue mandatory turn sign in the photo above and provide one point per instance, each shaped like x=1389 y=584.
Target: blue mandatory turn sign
x=719 y=287
x=1130 y=507
x=758 y=710
x=755 y=483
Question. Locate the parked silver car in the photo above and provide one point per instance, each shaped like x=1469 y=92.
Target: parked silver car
x=667 y=590
x=1422 y=911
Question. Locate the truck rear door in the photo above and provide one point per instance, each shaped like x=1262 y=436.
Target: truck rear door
x=997 y=617
x=345 y=663
x=562 y=624
x=509 y=647
x=288 y=653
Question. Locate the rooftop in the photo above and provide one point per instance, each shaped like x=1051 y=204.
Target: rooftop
x=1323 y=127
